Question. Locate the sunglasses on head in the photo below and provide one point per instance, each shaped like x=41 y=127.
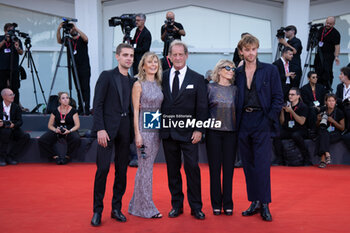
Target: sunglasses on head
x=228 y=68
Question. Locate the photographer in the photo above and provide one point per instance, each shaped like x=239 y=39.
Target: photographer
x=343 y=100
x=331 y=124
x=10 y=131
x=327 y=52
x=283 y=65
x=141 y=41
x=292 y=118
x=313 y=96
x=295 y=44
x=81 y=57
x=10 y=49
x=63 y=123
x=170 y=31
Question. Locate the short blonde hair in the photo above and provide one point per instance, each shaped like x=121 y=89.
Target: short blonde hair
x=142 y=74
x=248 y=40
x=221 y=63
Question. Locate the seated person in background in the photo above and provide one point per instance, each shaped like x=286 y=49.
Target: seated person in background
x=63 y=123
x=331 y=124
x=312 y=95
x=343 y=101
x=293 y=117
x=284 y=70
x=10 y=131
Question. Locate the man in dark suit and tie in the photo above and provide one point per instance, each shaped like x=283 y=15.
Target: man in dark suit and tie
x=112 y=123
x=184 y=99
x=259 y=103
x=287 y=77
x=141 y=41
x=10 y=131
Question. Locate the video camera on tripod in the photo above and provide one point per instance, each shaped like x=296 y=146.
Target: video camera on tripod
x=280 y=33
x=313 y=35
x=127 y=23
x=67 y=26
x=14 y=34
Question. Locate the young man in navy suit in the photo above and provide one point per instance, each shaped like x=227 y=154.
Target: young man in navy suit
x=185 y=98
x=112 y=124
x=259 y=103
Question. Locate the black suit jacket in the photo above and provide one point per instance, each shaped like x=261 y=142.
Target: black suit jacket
x=15 y=114
x=143 y=44
x=308 y=96
x=108 y=102
x=191 y=100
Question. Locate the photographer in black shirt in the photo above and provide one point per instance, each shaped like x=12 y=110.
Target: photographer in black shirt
x=170 y=31
x=10 y=49
x=81 y=57
x=327 y=52
x=295 y=44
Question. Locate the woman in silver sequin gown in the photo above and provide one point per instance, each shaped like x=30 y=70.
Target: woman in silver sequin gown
x=147 y=98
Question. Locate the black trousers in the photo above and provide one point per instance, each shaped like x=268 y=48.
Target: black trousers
x=5 y=77
x=298 y=137
x=121 y=161
x=221 y=152
x=172 y=152
x=84 y=74
x=324 y=69
x=15 y=135
x=46 y=143
x=325 y=139
x=346 y=139
x=254 y=145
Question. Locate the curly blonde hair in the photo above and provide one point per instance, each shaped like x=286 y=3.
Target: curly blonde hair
x=221 y=63
x=142 y=74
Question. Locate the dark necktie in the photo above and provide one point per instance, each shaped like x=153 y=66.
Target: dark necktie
x=175 y=84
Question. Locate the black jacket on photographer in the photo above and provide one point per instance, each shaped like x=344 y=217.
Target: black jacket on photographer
x=295 y=63
x=142 y=40
x=14 y=134
x=8 y=52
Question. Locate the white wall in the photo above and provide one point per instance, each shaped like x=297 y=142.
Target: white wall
x=110 y=9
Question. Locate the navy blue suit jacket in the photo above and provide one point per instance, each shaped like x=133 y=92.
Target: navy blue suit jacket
x=269 y=90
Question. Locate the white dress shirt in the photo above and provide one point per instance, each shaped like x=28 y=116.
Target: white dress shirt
x=346 y=92
x=181 y=77
x=7 y=110
x=286 y=69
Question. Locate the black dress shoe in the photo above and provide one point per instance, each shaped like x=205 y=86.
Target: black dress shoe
x=96 y=219
x=216 y=211
x=265 y=213
x=198 y=214
x=253 y=209
x=118 y=215
x=228 y=212
x=175 y=212
x=10 y=160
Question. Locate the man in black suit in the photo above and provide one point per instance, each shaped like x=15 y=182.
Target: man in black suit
x=141 y=41
x=184 y=99
x=10 y=131
x=112 y=123
x=283 y=67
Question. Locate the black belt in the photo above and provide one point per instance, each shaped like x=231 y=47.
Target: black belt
x=252 y=109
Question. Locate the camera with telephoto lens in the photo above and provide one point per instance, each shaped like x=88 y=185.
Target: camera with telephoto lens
x=12 y=33
x=324 y=120
x=6 y=124
x=62 y=128
x=280 y=33
x=126 y=21
x=169 y=25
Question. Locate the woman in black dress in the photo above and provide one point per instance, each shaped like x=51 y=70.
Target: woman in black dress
x=331 y=124
x=63 y=123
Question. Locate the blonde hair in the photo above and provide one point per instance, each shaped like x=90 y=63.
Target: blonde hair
x=221 y=63
x=142 y=74
x=248 y=40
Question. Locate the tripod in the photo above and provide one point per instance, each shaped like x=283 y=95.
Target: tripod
x=31 y=64
x=72 y=68
x=278 y=51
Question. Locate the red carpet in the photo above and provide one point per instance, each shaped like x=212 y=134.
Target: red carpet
x=49 y=198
